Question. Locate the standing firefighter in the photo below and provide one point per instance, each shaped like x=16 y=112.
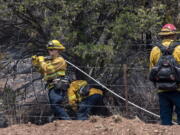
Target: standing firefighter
x=165 y=73
x=83 y=98
x=54 y=71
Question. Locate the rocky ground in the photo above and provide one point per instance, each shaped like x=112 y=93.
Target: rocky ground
x=114 y=125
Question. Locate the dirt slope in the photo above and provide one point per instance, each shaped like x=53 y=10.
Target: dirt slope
x=114 y=125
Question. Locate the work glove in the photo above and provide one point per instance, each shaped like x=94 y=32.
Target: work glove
x=74 y=107
x=34 y=57
x=34 y=60
x=41 y=58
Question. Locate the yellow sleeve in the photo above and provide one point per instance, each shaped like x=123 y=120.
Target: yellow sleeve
x=71 y=95
x=35 y=61
x=53 y=65
x=154 y=56
x=176 y=54
x=93 y=91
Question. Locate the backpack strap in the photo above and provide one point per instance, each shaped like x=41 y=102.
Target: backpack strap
x=164 y=49
x=167 y=50
x=172 y=46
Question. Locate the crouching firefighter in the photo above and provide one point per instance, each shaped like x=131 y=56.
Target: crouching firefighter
x=165 y=73
x=82 y=98
x=53 y=69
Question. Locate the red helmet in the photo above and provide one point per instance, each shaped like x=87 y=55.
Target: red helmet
x=168 y=29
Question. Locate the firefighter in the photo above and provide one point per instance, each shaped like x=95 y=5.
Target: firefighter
x=53 y=68
x=82 y=98
x=169 y=96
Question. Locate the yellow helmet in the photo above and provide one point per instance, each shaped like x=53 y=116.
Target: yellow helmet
x=55 y=44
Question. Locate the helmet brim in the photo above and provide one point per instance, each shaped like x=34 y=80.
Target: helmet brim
x=167 y=33
x=56 y=48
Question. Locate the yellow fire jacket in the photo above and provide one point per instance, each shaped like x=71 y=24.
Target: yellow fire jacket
x=51 y=68
x=156 y=53
x=73 y=95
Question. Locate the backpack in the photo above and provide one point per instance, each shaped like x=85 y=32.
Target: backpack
x=166 y=73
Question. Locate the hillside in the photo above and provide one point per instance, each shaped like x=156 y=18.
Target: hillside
x=114 y=125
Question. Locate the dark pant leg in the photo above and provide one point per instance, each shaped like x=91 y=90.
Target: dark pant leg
x=176 y=101
x=56 y=97
x=86 y=105
x=166 y=108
